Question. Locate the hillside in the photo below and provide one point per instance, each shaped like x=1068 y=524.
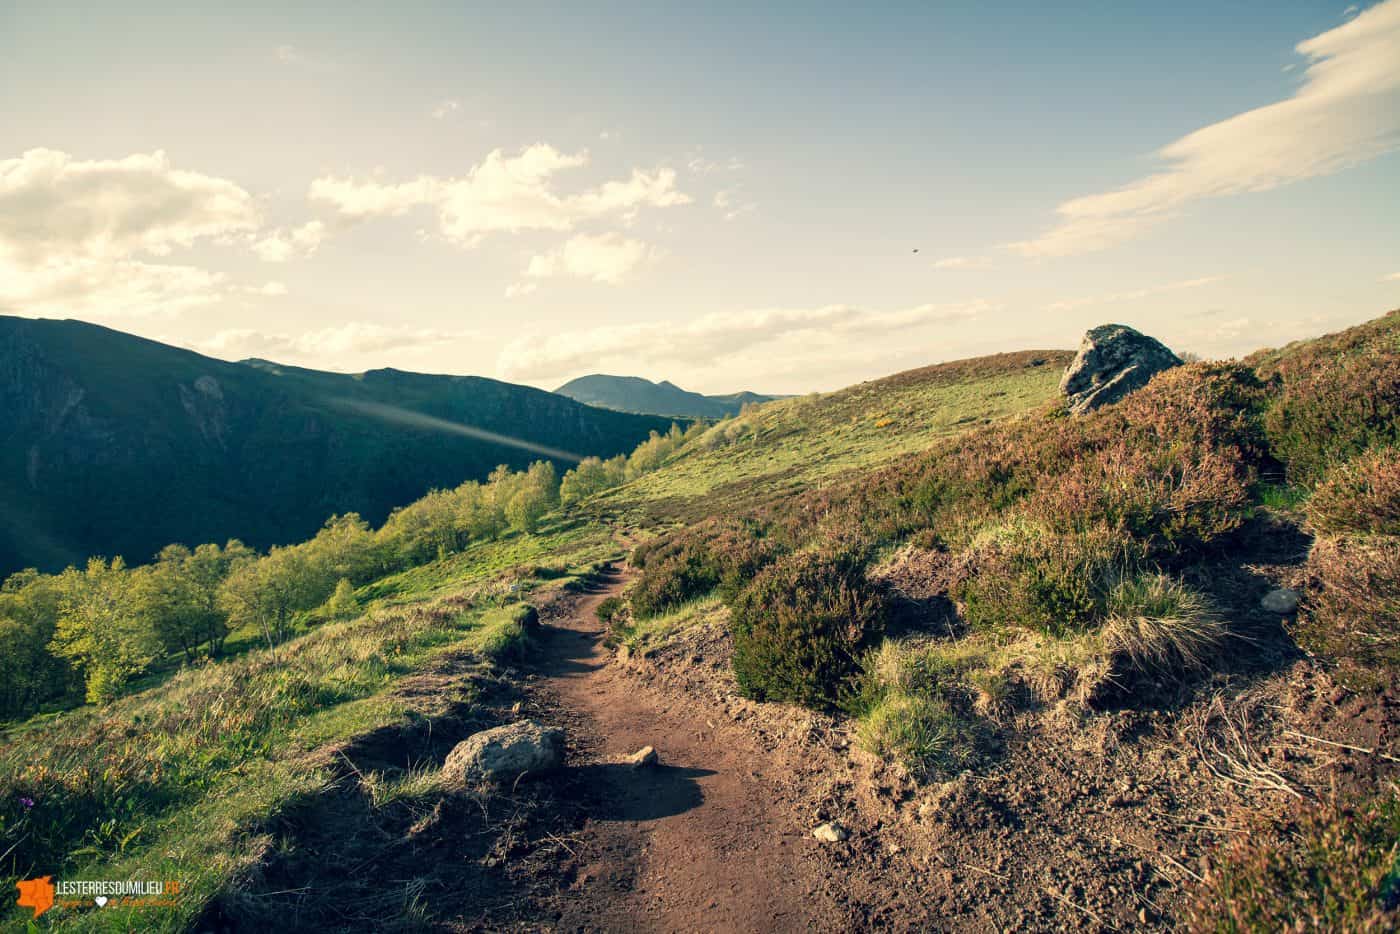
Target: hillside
x=116 y=445
x=634 y=394
x=923 y=653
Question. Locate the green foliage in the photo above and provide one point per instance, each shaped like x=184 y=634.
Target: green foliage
x=682 y=567
x=30 y=674
x=1332 y=868
x=101 y=630
x=801 y=626
x=504 y=633
x=343 y=604
x=609 y=609
x=592 y=475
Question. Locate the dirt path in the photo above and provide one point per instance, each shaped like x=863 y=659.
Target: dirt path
x=704 y=842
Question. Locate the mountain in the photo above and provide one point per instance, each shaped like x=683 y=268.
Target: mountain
x=634 y=394
x=115 y=445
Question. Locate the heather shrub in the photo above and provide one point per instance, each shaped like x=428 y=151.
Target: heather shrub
x=1023 y=574
x=801 y=626
x=1351 y=605
x=690 y=564
x=1332 y=869
x=1331 y=408
x=1362 y=495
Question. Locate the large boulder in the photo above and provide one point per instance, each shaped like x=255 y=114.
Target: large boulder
x=503 y=754
x=1113 y=360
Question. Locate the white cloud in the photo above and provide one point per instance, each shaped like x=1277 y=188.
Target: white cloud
x=963 y=262
x=503 y=193
x=519 y=289
x=52 y=205
x=281 y=245
x=1345 y=112
x=445 y=109
x=605 y=257
x=700 y=165
x=73 y=233
x=270 y=289
x=1133 y=294
x=713 y=339
x=326 y=346
x=97 y=288
x=728 y=202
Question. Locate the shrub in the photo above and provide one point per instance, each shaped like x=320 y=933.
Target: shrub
x=801 y=626
x=1362 y=495
x=505 y=633
x=1332 y=869
x=1351 y=605
x=1334 y=406
x=1024 y=575
x=921 y=732
x=1161 y=626
x=608 y=610
x=690 y=564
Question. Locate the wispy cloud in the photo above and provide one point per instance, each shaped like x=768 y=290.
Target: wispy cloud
x=732 y=203
x=608 y=257
x=281 y=245
x=445 y=109
x=503 y=193
x=963 y=262
x=325 y=346
x=713 y=339
x=1345 y=112
x=1132 y=294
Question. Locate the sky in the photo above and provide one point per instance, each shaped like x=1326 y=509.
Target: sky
x=776 y=197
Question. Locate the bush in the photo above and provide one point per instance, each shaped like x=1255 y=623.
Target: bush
x=801 y=627
x=691 y=564
x=608 y=610
x=1351 y=605
x=1362 y=495
x=1333 y=869
x=1161 y=626
x=1024 y=575
x=1338 y=397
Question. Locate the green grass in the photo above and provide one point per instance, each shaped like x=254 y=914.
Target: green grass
x=646 y=635
x=787 y=445
x=175 y=781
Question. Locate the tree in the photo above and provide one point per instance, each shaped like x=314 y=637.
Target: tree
x=29 y=673
x=343 y=604
x=100 y=628
x=267 y=592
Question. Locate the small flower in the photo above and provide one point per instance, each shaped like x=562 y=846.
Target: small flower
x=26 y=803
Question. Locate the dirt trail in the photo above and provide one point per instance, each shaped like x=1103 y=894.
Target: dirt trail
x=704 y=842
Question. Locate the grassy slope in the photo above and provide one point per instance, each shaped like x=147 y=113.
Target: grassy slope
x=791 y=444
x=179 y=781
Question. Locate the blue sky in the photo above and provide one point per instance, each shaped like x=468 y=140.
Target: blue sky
x=725 y=195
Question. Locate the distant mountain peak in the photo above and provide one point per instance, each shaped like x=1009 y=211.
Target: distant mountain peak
x=642 y=396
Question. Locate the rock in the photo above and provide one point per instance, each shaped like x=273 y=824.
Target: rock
x=1113 y=360
x=1282 y=601
x=642 y=757
x=517 y=708
x=505 y=753
x=831 y=832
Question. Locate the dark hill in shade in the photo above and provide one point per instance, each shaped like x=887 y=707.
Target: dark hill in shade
x=634 y=394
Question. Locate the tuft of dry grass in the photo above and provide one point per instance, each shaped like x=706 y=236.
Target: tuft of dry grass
x=1161 y=626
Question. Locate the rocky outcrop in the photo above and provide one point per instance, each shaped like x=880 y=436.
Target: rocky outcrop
x=505 y=753
x=1113 y=360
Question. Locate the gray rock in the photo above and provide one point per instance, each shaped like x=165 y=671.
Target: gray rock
x=505 y=753
x=1282 y=601
x=831 y=832
x=642 y=757
x=1113 y=360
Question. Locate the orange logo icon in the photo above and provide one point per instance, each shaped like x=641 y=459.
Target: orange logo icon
x=36 y=894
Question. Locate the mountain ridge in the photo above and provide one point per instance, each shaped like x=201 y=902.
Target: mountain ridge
x=117 y=445
x=640 y=395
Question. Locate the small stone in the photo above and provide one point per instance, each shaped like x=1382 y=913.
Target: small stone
x=831 y=832
x=1142 y=916
x=1282 y=601
x=642 y=757
x=517 y=707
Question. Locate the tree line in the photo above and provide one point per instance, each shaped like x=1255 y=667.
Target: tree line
x=90 y=632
